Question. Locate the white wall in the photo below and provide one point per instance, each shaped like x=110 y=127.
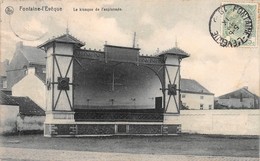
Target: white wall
x=8 y=116
x=49 y=72
x=32 y=87
x=25 y=123
x=11 y=121
x=236 y=102
x=194 y=100
x=224 y=122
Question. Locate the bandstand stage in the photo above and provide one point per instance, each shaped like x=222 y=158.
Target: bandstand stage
x=116 y=91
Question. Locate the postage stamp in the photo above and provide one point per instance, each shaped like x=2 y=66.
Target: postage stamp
x=234 y=25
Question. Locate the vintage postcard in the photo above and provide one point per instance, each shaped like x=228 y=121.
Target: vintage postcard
x=129 y=80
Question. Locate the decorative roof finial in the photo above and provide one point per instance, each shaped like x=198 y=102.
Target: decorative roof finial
x=176 y=42
x=134 y=39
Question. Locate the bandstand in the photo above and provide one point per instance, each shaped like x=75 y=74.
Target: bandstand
x=116 y=91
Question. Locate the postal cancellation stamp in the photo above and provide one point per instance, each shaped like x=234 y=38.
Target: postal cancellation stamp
x=234 y=25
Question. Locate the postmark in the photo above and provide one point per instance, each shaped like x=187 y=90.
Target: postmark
x=26 y=29
x=233 y=25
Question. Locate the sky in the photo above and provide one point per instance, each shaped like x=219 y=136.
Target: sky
x=157 y=23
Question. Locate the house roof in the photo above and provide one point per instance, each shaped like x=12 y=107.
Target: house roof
x=244 y=92
x=175 y=51
x=41 y=76
x=7 y=99
x=3 y=67
x=7 y=91
x=33 y=55
x=28 y=107
x=65 y=38
x=192 y=86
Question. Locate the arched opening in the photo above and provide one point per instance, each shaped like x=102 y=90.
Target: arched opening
x=116 y=86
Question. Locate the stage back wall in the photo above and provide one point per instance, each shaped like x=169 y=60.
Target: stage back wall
x=114 y=85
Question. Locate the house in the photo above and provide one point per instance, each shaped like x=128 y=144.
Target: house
x=20 y=114
x=194 y=96
x=3 y=76
x=240 y=99
x=23 y=58
x=9 y=109
x=30 y=117
x=35 y=90
x=27 y=65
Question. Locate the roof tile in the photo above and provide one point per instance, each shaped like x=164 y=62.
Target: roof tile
x=3 y=67
x=245 y=93
x=66 y=38
x=175 y=51
x=28 y=107
x=190 y=85
x=34 y=55
x=6 y=99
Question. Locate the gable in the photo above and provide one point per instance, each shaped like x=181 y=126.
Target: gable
x=18 y=62
x=26 y=55
x=35 y=91
x=27 y=79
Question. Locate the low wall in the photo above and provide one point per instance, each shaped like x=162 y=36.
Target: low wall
x=224 y=122
x=30 y=123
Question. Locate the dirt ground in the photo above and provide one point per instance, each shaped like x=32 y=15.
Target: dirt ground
x=199 y=145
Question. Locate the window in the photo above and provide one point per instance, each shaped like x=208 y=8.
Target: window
x=201 y=97
x=25 y=68
x=183 y=96
x=201 y=106
x=210 y=107
x=4 y=83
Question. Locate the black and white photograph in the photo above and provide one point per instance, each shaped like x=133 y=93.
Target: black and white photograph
x=129 y=80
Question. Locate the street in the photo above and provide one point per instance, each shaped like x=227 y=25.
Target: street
x=181 y=147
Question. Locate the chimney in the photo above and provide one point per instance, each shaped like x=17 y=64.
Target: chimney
x=245 y=87
x=31 y=70
x=19 y=44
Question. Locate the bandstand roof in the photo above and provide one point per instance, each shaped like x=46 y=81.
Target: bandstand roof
x=65 y=38
x=175 y=51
